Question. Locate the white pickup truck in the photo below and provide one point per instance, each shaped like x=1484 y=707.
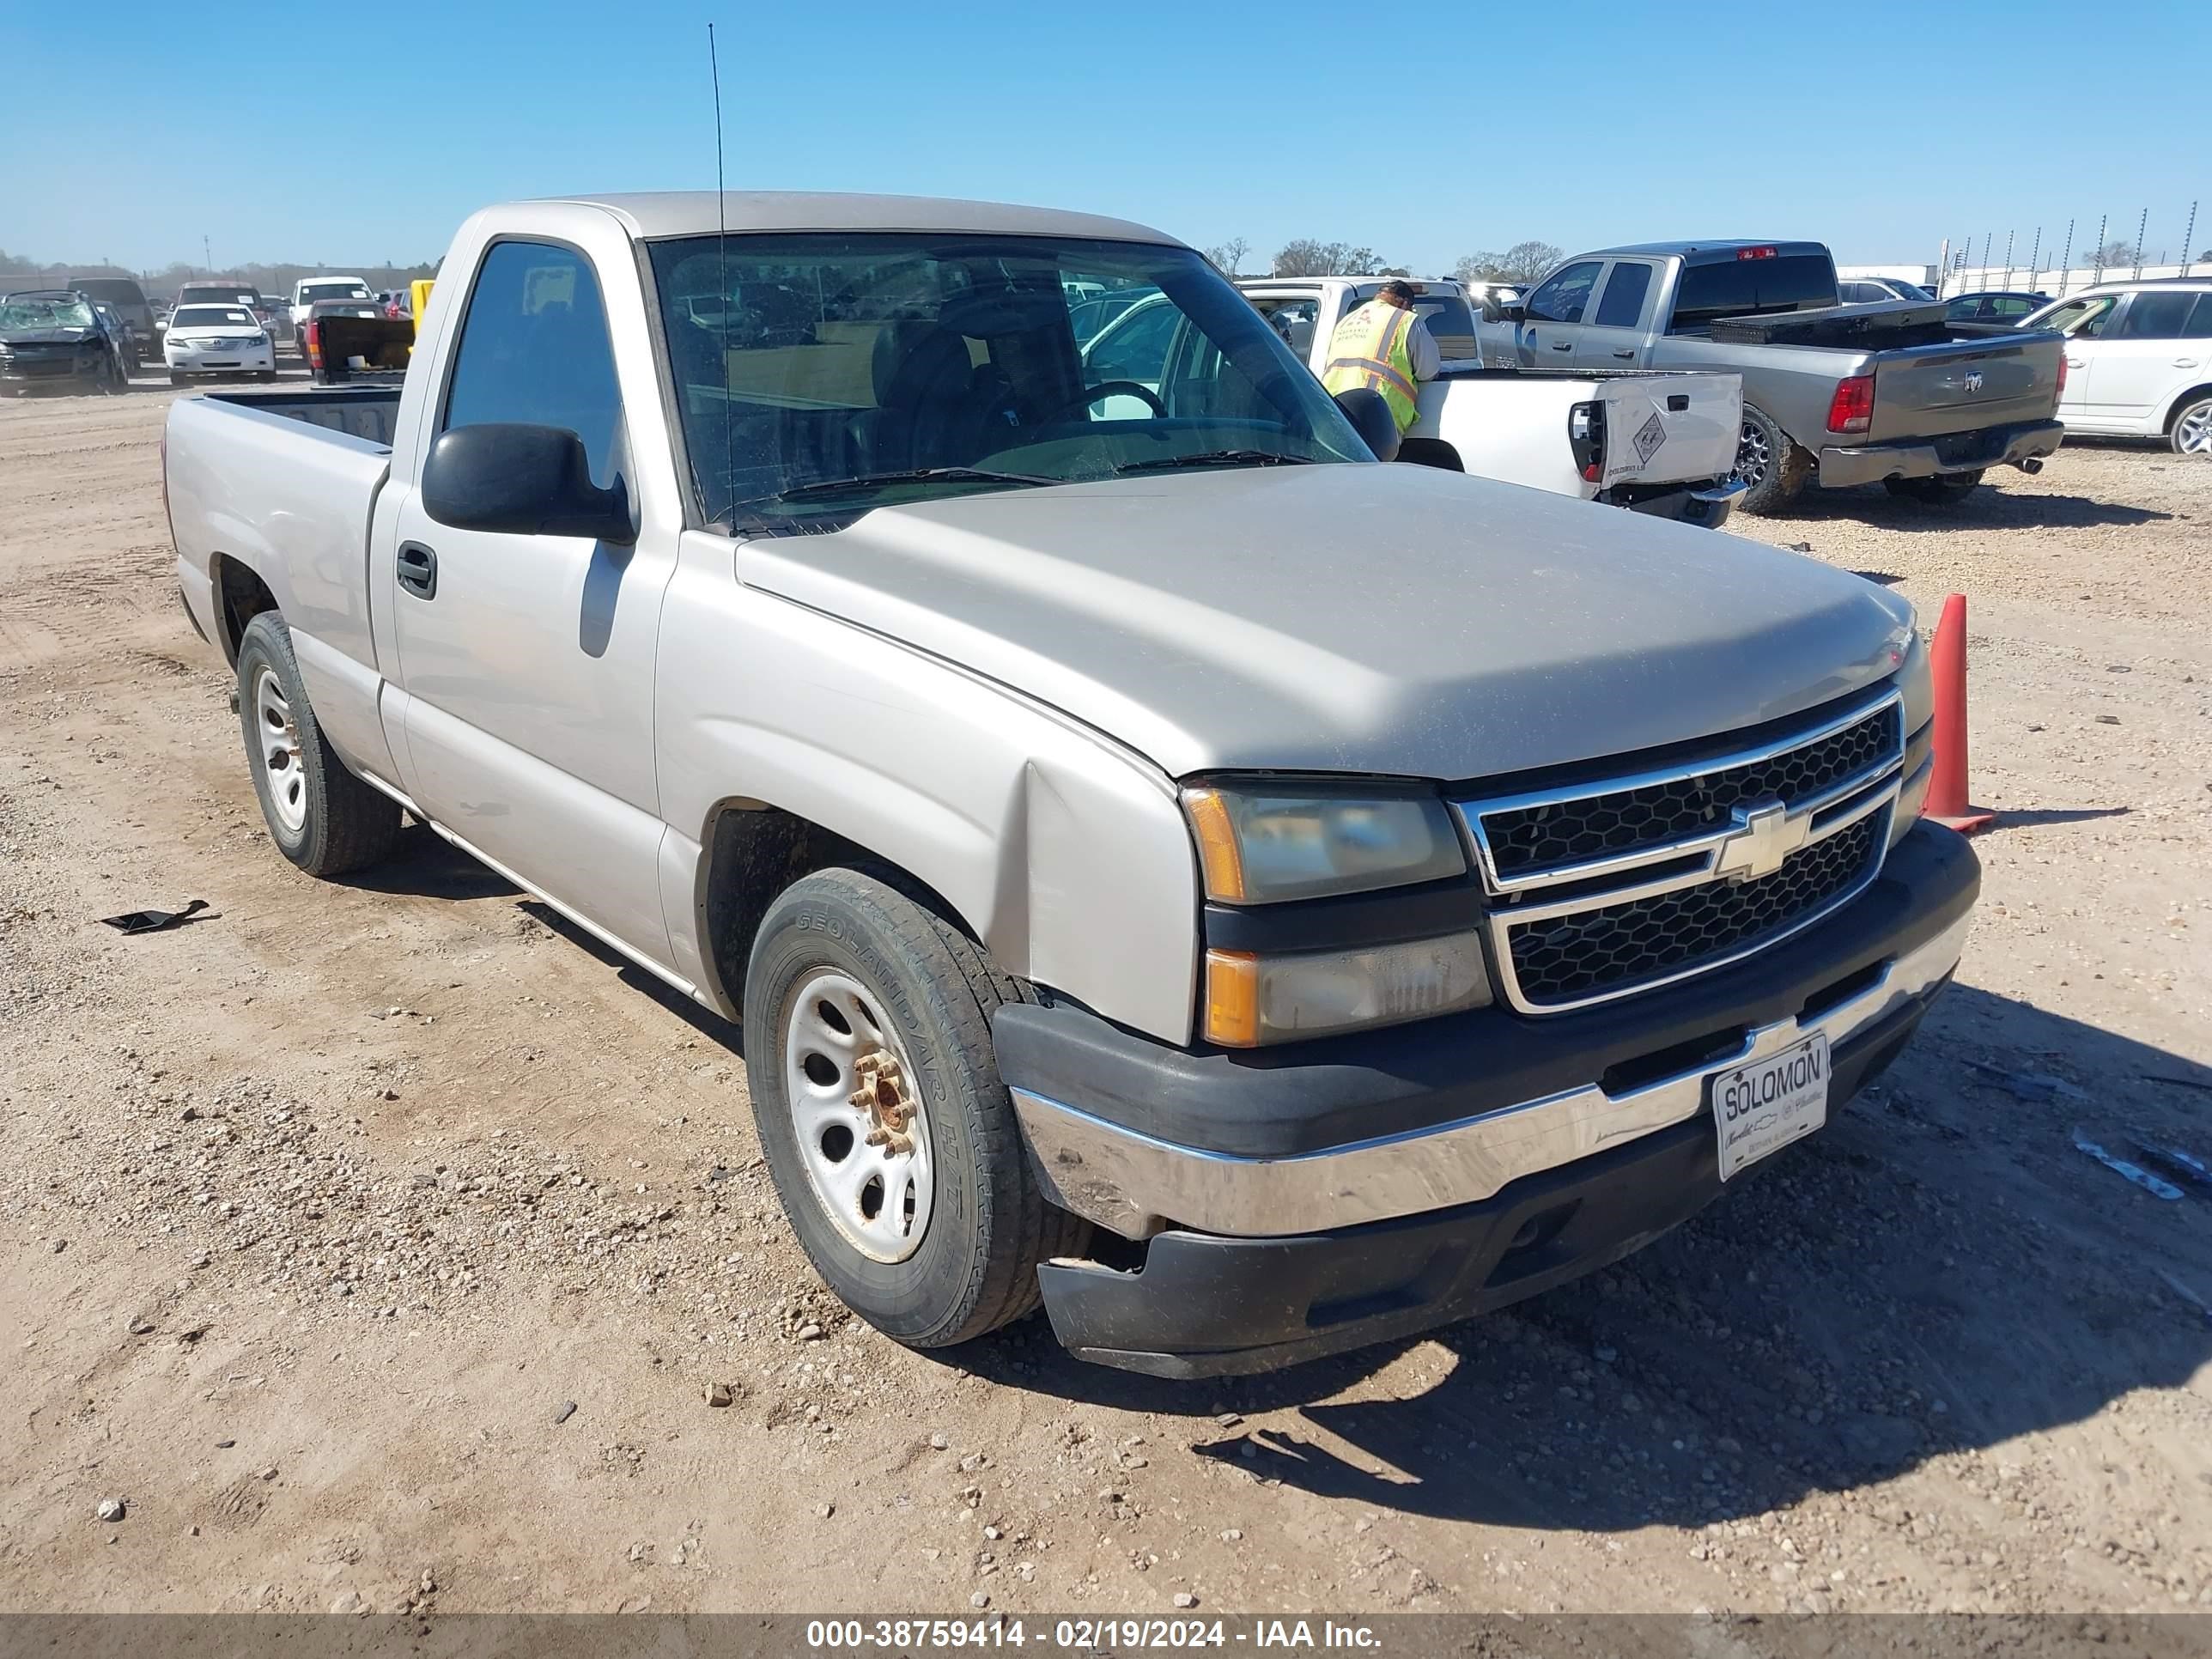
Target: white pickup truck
x=1256 y=900
x=1663 y=444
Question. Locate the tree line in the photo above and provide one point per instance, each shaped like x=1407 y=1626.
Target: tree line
x=1524 y=261
x=21 y=270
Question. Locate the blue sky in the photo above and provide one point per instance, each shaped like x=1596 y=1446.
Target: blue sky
x=1878 y=128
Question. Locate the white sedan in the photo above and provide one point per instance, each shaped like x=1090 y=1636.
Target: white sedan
x=225 y=339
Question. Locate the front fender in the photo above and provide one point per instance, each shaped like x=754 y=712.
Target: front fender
x=1062 y=851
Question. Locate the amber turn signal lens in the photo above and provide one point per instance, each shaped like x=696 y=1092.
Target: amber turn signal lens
x=1232 y=999
x=1219 y=858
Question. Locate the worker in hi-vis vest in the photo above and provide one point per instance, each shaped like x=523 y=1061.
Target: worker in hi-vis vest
x=1385 y=346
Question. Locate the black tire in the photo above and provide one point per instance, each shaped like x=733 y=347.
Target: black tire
x=175 y=379
x=1945 y=491
x=264 y=375
x=2189 y=432
x=1775 y=469
x=989 y=1226
x=344 y=824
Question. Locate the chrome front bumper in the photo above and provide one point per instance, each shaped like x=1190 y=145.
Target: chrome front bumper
x=1135 y=1184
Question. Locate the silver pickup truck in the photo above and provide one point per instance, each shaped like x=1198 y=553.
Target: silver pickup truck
x=1254 y=900
x=1833 y=395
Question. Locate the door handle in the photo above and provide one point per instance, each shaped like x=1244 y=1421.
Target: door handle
x=1628 y=355
x=1563 y=345
x=2075 y=362
x=2184 y=362
x=418 y=569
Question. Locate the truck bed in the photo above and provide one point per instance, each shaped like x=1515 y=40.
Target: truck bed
x=367 y=413
x=285 y=483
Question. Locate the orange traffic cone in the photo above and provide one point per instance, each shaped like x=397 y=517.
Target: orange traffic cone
x=1947 y=789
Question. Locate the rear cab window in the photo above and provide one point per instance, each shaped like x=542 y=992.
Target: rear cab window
x=1750 y=283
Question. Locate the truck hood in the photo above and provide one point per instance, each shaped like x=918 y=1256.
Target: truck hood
x=1391 y=620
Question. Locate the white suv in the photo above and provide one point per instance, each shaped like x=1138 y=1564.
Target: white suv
x=2138 y=360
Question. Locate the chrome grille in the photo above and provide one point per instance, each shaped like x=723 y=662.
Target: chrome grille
x=1551 y=834
x=1603 y=888
x=1617 y=947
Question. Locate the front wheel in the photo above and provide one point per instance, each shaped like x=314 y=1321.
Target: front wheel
x=891 y=1139
x=2191 y=431
x=1771 y=467
x=321 y=817
x=1945 y=491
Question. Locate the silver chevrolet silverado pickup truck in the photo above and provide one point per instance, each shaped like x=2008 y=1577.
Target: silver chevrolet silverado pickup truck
x=1254 y=900
x=1833 y=395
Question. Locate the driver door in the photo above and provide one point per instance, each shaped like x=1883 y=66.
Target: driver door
x=1551 y=330
x=528 y=659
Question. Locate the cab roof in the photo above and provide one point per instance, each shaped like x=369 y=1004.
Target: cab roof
x=649 y=214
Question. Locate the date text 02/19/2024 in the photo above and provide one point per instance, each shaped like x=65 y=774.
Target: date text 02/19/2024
x=1084 y=1635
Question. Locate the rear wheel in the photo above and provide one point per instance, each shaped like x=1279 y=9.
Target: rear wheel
x=2191 y=431
x=1942 y=491
x=1772 y=468
x=906 y=1183
x=321 y=817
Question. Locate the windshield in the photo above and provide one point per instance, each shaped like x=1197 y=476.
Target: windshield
x=311 y=292
x=803 y=361
x=72 y=313
x=213 y=317
x=207 y=293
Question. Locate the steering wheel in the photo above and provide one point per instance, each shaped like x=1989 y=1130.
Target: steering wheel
x=1091 y=394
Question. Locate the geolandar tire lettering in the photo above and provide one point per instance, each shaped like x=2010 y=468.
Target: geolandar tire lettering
x=891 y=1139
x=321 y=817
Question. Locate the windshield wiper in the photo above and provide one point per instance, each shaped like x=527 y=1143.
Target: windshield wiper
x=1215 y=458
x=909 y=475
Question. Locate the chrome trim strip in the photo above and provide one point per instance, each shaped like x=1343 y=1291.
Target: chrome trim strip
x=1135 y=1185
x=1472 y=811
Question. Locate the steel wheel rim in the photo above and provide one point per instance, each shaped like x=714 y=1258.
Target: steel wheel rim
x=1752 y=454
x=872 y=1173
x=2193 y=431
x=277 y=741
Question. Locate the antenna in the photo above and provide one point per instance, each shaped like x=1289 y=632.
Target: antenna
x=722 y=261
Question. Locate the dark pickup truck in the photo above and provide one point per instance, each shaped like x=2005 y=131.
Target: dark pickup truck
x=1833 y=395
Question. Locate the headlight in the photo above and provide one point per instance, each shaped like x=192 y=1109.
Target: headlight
x=1262 y=844
x=1253 y=999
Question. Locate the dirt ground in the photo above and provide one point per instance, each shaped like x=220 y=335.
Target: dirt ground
x=374 y=1244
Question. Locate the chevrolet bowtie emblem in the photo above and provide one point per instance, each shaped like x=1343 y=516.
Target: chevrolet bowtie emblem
x=1765 y=835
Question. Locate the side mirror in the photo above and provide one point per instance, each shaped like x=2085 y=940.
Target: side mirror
x=522 y=480
x=1372 y=419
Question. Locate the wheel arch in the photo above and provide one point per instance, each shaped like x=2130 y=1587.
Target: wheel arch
x=2173 y=410
x=240 y=595
x=750 y=853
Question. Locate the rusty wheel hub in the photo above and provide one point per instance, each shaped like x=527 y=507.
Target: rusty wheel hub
x=881 y=1099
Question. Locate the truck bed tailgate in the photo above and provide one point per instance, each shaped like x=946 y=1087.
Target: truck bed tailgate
x=1965 y=385
x=1671 y=427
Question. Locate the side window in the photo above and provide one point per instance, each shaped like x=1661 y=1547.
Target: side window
x=534 y=348
x=2082 y=319
x=1565 y=293
x=2156 y=317
x=2199 y=327
x=2011 y=310
x=1135 y=346
x=1623 y=300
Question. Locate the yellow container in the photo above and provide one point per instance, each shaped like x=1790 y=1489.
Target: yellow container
x=419 y=297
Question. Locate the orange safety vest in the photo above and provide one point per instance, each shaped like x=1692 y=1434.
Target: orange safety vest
x=1372 y=347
